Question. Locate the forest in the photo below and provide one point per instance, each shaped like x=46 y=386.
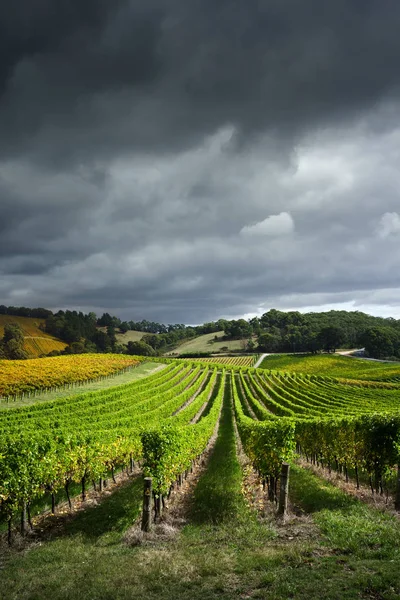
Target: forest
x=274 y=332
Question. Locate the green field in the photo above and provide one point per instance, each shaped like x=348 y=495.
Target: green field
x=209 y=342
x=333 y=365
x=129 y=336
x=220 y=536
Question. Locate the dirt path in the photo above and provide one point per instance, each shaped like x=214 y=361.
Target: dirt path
x=259 y=361
x=349 y=354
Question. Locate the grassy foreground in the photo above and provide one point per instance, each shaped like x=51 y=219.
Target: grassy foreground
x=341 y=549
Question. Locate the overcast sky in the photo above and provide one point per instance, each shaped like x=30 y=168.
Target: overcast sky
x=185 y=160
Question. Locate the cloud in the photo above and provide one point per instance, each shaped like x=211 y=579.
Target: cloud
x=138 y=139
x=105 y=77
x=389 y=225
x=274 y=225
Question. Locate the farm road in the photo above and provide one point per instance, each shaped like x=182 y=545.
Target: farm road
x=349 y=354
x=259 y=361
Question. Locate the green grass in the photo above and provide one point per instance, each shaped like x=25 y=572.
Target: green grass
x=129 y=336
x=218 y=495
x=349 y=526
x=332 y=365
x=207 y=343
x=104 y=523
x=141 y=370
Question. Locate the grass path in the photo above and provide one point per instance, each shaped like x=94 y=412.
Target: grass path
x=349 y=525
x=218 y=496
x=142 y=370
x=361 y=542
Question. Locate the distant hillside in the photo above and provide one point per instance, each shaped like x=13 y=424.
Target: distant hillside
x=124 y=338
x=129 y=336
x=37 y=342
x=209 y=342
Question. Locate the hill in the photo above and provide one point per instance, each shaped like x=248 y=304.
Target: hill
x=333 y=365
x=129 y=336
x=209 y=342
x=124 y=338
x=37 y=342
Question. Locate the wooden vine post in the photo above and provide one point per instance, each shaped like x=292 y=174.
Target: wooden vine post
x=284 y=489
x=147 y=495
x=397 y=497
x=23 y=519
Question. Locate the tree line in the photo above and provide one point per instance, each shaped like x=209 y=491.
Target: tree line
x=274 y=331
x=292 y=331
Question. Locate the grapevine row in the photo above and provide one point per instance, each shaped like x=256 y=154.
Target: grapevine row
x=43 y=449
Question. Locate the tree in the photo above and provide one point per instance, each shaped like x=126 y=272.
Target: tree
x=105 y=320
x=111 y=335
x=102 y=341
x=256 y=325
x=12 y=344
x=124 y=327
x=222 y=324
x=273 y=318
x=331 y=337
x=76 y=348
x=294 y=338
x=311 y=341
x=250 y=344
x=140 y=348
x=267 y=342
x=238 y=329
x=380 y=342
x=154 y=340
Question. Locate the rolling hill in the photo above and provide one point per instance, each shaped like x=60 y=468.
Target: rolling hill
x=209 y=342
x=37 y=342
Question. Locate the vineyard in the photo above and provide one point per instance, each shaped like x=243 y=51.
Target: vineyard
x=164 y=423
x=235 y=361
x=36 y=341
x=29 y=376
x=333 y=365
x=48 y=446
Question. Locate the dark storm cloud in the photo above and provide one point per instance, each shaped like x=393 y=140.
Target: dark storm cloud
x=184 y=161
x=89 y=78
x=76 y=35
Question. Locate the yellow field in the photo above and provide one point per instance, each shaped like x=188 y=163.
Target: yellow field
x=37 y=342
x=17 y=376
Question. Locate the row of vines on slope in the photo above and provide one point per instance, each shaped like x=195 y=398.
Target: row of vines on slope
x=326 y=421
x=24 y=377
x=44 y=448
x=161 y=420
